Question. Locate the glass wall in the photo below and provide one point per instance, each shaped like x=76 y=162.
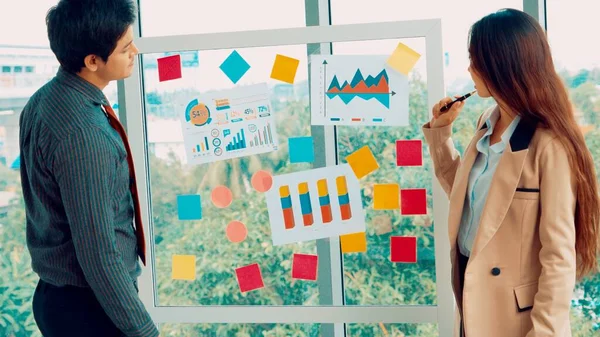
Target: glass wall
x=26 y=63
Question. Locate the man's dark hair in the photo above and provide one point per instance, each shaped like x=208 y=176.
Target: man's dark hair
x=78 y=28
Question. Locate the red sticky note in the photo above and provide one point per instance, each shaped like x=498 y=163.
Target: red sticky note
x=413 y=201
x=409 y=152
x=403 y=249
x=169 y=68
x=304 y=267
x=249 y=278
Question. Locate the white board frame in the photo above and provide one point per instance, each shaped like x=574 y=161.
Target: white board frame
x=442 y=313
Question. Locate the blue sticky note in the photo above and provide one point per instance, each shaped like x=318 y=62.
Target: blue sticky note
x=234 y=66
x=301 y=150
x=189 y=207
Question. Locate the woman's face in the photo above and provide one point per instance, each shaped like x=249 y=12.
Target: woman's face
x=482 y=89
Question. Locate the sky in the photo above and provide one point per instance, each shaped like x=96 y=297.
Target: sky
x=568 y=19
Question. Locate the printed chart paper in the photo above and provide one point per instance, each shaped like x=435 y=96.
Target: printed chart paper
x=315 y=204
x=229 y=124
x=357 y=90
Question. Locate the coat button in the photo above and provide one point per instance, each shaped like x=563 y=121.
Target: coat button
x=495 y=271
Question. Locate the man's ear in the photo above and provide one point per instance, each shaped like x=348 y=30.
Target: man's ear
x=91 y=62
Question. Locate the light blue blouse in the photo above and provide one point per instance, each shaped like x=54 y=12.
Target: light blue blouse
x=480 y=179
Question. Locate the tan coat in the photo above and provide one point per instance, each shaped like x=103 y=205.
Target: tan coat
x=522 y=270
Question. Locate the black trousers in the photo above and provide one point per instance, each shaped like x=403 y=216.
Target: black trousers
x=462 y=267
x=70 y=312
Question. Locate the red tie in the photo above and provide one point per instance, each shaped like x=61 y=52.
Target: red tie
x=139 y=228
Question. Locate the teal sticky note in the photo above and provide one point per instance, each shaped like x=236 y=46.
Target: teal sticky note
x=189 y=207
x=234 y=66
x=301 y=150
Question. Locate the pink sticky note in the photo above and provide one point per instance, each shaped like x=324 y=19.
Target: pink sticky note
x=403 y=249
x=249 y=277
x=169 y=68
x=304 y=267
x=413 y=201
x=409 y=153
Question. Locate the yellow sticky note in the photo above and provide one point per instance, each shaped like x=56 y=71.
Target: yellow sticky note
x=362 y=162
x=403 y=59
x=354 y=243
x=386 y=196
x=184 y=267
x=284 y=68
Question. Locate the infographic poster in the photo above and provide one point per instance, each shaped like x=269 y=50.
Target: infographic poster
x=357 y=90
x=229 y=124
x=315 y=204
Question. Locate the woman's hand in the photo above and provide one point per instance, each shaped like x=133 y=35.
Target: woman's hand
x=441 y=119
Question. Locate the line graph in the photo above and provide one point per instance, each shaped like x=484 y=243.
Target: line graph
x=357 y=90
x=366 y=88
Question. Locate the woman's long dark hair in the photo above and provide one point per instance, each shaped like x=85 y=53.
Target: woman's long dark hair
x=509 y=50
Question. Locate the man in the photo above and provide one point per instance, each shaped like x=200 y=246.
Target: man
x=77 y=180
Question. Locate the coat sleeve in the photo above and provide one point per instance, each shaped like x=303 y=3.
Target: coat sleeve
x=550 y=313
x=445 y=157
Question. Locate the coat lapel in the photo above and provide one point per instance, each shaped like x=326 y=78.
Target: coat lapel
x=459 y=188
x=503 y=187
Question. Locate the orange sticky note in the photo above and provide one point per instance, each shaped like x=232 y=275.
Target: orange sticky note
x=362 y=162
x=354 y=243
x=284 y=68
x=184 y=267
x=403 y=59
x=236 y=231
x=221 y=196
x=386 y=196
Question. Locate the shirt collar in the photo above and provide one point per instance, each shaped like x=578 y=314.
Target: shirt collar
x=483 y=143
x=78 y=83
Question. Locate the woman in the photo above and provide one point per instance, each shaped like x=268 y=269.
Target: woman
x=524 y=208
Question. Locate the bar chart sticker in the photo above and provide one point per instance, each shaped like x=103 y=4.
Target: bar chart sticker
x=229 y=124
x=315 y=204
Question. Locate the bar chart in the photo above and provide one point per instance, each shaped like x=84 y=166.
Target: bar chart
x=315 y=204
x=201 y=147
x=238 y=142
x=262 y=137
x=242 y=125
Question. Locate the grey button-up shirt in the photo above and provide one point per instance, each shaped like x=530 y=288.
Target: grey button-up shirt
x=79 y=208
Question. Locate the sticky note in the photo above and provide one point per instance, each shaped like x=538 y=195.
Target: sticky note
x=386 y=196
x=354 y=243
x=403 y=59
x=403 y=249
x=409 y=152
x=221 y=196
x=301 y=150
x=413 y=201
x=234 y=66
x=236 y=231
x=184 y=267
x=249 y=277
x=169 y=68
x=262 y=181
x=362 y=162
x=189 y=207
x=304 y=267
x=284 y=68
